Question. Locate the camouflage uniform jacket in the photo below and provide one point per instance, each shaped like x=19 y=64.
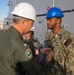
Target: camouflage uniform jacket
x=63 y=43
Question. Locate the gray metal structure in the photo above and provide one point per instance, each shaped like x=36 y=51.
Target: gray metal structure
x=41 y=7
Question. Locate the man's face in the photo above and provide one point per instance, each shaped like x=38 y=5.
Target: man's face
x=51 y=23
x=28 y=26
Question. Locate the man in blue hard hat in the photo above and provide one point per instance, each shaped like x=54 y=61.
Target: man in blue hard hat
x=63 y=43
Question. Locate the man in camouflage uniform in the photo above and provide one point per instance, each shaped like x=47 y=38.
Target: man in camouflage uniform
x=63 y=43
x=29 y=39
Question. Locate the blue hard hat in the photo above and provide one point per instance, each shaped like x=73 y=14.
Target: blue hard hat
x=54 y=12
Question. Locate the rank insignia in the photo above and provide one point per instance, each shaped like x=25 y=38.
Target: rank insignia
x=68 y=41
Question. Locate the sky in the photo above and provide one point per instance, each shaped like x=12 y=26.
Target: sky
x=3 y=9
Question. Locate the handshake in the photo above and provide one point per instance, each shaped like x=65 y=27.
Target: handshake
x=45 y=53
x=48 y=53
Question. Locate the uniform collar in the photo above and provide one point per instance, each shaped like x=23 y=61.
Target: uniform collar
x=16 y=32
x=58 y=34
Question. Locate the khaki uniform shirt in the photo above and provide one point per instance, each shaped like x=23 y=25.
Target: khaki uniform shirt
x=63 y=43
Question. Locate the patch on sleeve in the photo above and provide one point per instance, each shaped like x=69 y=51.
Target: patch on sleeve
x=28 y=54
x=68 y=41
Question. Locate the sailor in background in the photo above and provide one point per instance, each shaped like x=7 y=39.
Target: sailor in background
x=29 y=39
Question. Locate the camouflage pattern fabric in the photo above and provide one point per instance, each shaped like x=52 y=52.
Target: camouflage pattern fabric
x=63 y=44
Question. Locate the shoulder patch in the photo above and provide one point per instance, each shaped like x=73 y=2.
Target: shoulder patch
x=28 y=54
x=68 y=41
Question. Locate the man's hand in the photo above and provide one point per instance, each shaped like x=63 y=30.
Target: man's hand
x=50 y=55
x=36 y=51
x=47 y=51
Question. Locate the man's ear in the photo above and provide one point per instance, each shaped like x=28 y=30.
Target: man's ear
x=24 y=22
x=58 y=20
